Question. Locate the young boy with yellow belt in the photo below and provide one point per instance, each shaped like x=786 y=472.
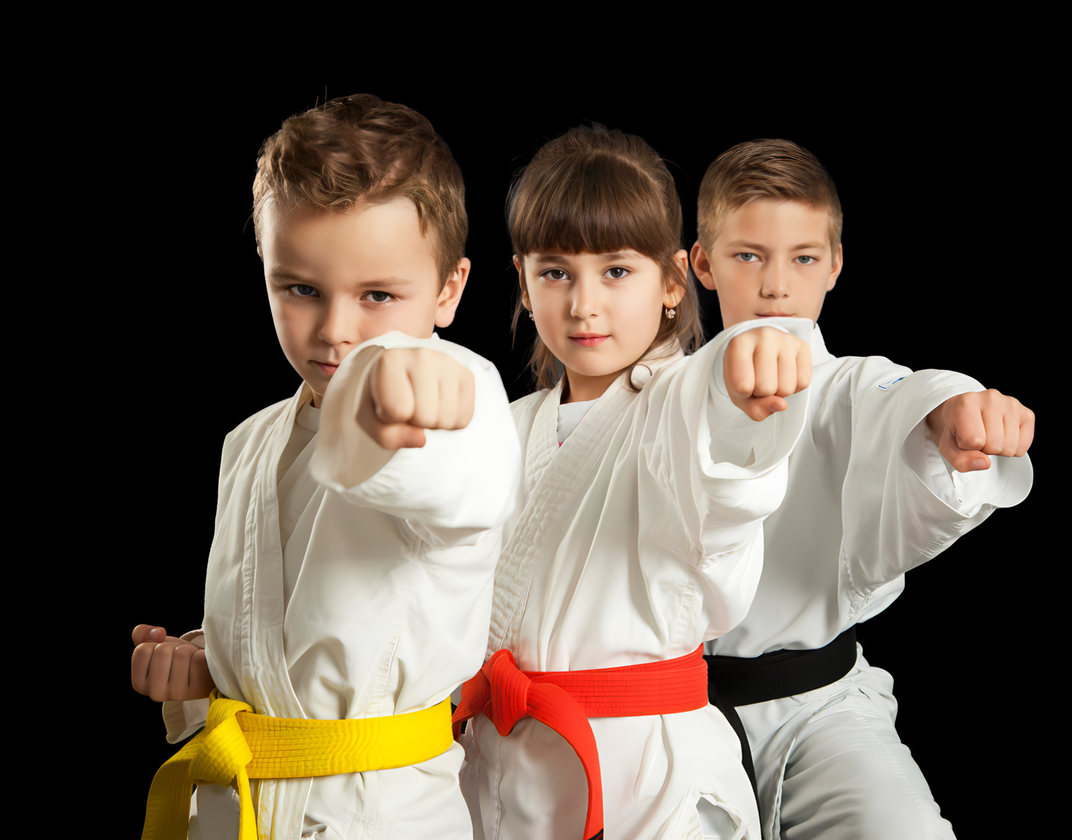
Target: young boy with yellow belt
x=358 y=522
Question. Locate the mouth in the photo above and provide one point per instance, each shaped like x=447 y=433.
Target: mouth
x=774 y=315
x=588 y=339
x=326 y=368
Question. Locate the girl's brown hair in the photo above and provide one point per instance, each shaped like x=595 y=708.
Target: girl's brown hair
x=597 y=191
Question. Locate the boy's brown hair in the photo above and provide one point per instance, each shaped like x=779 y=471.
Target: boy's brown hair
x=774 y=169
x=358 y=149
x=595 y=190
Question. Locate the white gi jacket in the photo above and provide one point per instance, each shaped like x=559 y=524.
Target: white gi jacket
x=390 y=610
x=637 y=540
x=869 y=497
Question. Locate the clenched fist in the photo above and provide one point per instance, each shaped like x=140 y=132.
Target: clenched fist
x=166 y=668
x=413 y=389
x=970 y=427
x=762 y=367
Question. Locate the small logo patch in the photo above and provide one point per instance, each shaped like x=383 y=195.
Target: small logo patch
x=885 y=386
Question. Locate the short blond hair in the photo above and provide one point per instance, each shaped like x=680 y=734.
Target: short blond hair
x=595 y=190
x=358 y=149
x=774 y=169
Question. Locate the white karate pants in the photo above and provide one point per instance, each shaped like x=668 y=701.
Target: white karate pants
x=831 y=762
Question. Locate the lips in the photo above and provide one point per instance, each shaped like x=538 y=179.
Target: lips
x=588 y=339
x=774 y=315
x=326 y=368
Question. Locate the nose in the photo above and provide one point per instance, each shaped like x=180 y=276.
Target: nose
x=584 y=299
x=775 y=280
x=337 y=325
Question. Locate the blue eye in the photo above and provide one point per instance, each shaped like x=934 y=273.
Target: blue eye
x=747 y=258
x=807 y=259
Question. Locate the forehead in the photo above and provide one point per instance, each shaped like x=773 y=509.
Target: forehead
x=777 y=223
x=369 y=242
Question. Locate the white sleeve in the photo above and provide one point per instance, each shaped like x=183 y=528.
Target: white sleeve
x=901 y=501
x=724 y=472
x=461 y=484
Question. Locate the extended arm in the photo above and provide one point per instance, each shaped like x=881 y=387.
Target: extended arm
x=456 y=469
x=899 y=504
x=717 y=471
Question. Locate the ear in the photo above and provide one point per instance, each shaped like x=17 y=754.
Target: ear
x=521 y=280
x=835 y=269
x=676 y=292
x=701 y=266
x=451 y=293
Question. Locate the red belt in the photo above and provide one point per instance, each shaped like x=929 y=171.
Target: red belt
x=564 y=700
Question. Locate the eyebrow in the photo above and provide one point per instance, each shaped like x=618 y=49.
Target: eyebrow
x=755 y=246
x=378 y=283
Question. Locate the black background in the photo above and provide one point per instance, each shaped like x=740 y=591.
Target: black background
x=944 y=178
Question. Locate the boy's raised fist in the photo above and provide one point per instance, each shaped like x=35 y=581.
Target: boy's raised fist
x=762 y=367
x=970 y=427
x=413 y=389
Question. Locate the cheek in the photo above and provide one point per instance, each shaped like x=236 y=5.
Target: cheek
x=292 y=325
x=544 y=310
x=279 y=319
x=647 y=313
x=735 y=295
x=412 y=317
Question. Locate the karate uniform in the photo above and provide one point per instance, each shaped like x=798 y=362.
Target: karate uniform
x=377 y=604
x=869 y=497
x=637 y=540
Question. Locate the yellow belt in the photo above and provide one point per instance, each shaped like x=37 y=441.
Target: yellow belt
x=237 y=745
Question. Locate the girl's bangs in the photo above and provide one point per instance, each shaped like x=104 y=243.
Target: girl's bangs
x=595 y=206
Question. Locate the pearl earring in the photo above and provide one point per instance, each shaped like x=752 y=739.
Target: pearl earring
x=670 y=313
x=531 y=316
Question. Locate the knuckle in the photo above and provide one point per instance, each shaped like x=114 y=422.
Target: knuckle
x=391 y=411
x=390 y=361
x=426 y=417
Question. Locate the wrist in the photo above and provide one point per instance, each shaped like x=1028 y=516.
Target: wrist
x=936 y=420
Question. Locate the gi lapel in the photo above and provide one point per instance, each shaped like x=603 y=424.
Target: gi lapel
x=555 y=477
x=280 y=804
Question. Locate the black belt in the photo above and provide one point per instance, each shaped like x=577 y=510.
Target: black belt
x=740 y=681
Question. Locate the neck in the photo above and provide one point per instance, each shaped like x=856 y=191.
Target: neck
x=580 y=388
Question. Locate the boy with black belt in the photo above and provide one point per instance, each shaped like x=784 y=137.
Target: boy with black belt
x=892 y=468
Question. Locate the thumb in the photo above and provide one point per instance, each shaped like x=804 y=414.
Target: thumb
x=963 y=460
x=395 y=436
x=971 y=461
x=148 y=633
x=760 y=408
